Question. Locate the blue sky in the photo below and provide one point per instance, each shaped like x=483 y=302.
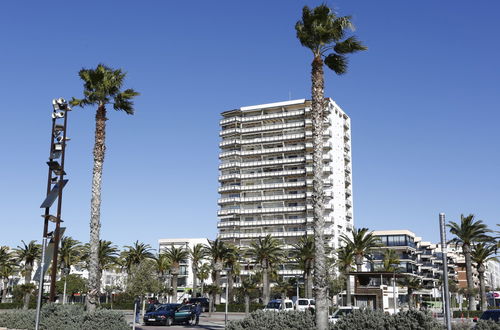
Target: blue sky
x=424 y=103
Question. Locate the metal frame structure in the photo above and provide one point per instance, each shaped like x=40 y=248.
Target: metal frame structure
x=55 y=185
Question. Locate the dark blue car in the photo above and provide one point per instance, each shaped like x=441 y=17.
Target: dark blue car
x=167 y=314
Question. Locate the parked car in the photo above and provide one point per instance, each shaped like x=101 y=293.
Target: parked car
x=303 y=304
x=343 y=310
x=205 y=303
x=491 y=314
x=276 y=306
x=167 y=314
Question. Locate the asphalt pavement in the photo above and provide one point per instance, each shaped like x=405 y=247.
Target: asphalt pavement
x=214 y=322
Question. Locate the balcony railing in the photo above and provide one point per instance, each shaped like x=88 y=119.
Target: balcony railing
x=263 y=162
x=260 y=151
x=261 y=198
x=347 y=157
x=262 y=234
x=263 y=186
x=347 y=169
x=242 y=223
x=263 y=140
x=261 y=175
x=261 y=128
x=262 y=117
x=263 y=210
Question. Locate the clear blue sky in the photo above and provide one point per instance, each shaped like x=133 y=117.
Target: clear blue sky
x=424 y=103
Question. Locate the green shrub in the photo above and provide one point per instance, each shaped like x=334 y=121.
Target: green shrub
x=487 y=325
x=119 y=305
x=237 y=308
x=467 y=325
x=13 y=305
x=466 y=314
x=290 y=320
x=64 y=317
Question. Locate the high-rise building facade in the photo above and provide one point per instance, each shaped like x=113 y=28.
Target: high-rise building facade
x=266 y=173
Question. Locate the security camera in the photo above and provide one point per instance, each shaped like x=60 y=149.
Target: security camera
x=58 y=114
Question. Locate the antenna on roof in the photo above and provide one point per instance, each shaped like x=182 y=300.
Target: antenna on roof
x=289 y=95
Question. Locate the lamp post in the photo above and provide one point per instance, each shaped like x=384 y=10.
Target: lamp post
x=394 y=286
x=447 y=312
x=227 y=296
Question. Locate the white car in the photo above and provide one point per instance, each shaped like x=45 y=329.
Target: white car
x=303 y=304
x=343 y=310
x=276 y=306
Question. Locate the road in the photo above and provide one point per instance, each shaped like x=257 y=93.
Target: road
x=215 y=322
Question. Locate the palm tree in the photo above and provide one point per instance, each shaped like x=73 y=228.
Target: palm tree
x=216 y=250
x=467 y=232
x=176 y=255
x=412 y=284
x=345 y=260
x=267 y=253
x=107 y=256
x=69 y=253
x=323 y=32
x=481 y=254
x=247 y=287
x=232 y=266
x=362 y=243
x=203 y=274
x=390 y=261
x=196 y=254
x=133 y=255
x=102 y=86
x=304 y=255
x=7 y=264
x=27 y=255
x=163 y=266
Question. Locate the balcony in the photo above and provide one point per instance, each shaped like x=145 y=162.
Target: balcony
x=348 y=215
x=262 y=140
x=223 y=224
x=262 y=117
x=347 y=136
x=347 y=169
x=260 y=151
x=348 y=192
x=263 y=186
x=262 y=210
x=326 y=157
x=347 y=157
x=261 y=198
x=346 y=125
x=264 y=233
x=347 y=147
x=261 y=175
x=263 y=162
x=261 y=128
x=348 y=179
x=348 y=202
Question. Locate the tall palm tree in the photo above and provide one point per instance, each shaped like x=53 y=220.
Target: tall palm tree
x=232 y=265
x=467 y=232
x=324 y=34
x=390 y=260
x=27 y=255
x=362 y=243
x=136 y=253
x=176 y=255
x=196 y=254
x=102 y=86
x=482 y=253
x=412 y=284
x=7 y=265
x=345 y=260
x=268 y=254
x=216 y=250
x=304 y=255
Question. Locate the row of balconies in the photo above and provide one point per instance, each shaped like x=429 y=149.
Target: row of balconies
x=283 y=197
x=301 y=123
x=263 y=162
x=243 y=223
x=328 y=232
x=286 y=137
x=262 y=117
x=328 y=207
x=261 y=151
x=307 y=170
x=309 y=182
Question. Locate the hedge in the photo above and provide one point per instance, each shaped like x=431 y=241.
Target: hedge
x=466 y=314
x=64 y=317
x=124 y=305
x=237 y=308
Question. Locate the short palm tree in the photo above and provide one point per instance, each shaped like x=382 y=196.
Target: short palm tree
x=176 y=255
x=196 y=254
x=345 y=260
x=136 y=253
x=107 y=256
x=102 y=86
x=69 y=253
x=362 y=243
x=412 y=284
x=482 y=253
x=203 y=274
x=216 y=250
x=268 y=254
x=390 y=260
x=7 y=268
x=27 y=255
x=468 y=232
x=304 y=255
x=247 y=287
x=324 y=34
x=232 y=266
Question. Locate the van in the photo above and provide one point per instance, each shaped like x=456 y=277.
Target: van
x=276 y=306
x=303 y=304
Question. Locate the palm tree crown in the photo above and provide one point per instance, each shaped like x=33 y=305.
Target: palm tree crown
x=137 y=253
x=28 y=254
x=468 y=231
x=361 y=244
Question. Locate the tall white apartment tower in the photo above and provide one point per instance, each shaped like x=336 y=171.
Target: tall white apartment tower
x=266 y=172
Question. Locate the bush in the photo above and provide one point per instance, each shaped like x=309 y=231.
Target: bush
x=291 y=320
x=377 y=320
x=124 y=305
x=466 y=314
x=487 y=325
x=64 y=317
x=237 y=308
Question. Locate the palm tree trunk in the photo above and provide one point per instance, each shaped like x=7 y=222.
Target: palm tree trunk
x=195 y=281
x=471 y=299
x=348 y=289
x=27 y=294
x=410 y=299
x=4 y=292
x=95 y=208
x=174 y=287
x=247 y=304
x=230 y=284
x=482 y=289
x=309 y=284
x=358 y=259
x=265 y=286
x=217 y=283
x=320 y=280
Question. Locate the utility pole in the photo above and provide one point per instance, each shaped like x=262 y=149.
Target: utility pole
x=446 y=290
